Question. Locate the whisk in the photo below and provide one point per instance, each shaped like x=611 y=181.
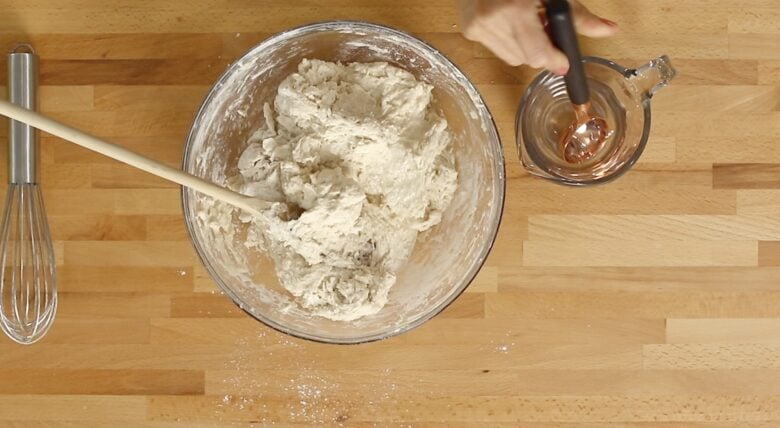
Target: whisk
x=28 y=281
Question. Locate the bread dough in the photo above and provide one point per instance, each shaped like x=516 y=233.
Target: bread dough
x=360 y=150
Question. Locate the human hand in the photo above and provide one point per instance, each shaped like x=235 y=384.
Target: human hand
x=513 y=30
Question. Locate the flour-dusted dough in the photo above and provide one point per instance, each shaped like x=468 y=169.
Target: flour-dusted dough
x=360 y=150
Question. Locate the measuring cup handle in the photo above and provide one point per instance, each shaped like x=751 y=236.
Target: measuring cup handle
x=565 y=38
x=653 y=76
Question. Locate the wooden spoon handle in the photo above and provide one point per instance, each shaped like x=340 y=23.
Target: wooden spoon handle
x=131 y=158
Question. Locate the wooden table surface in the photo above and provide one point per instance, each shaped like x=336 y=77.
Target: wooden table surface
x=652 y=301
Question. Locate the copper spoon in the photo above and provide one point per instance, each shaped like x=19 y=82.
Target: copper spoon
x=585 y=137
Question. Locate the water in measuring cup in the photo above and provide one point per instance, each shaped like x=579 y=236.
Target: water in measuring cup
x=550 y=112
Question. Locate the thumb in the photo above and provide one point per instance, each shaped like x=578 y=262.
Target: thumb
x=589 y=24
x=558 y=63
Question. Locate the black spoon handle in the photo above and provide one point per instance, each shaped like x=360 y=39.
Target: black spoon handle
x=565 y=38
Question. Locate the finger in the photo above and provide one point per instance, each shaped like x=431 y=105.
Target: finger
x=485 y=35
x=504 y=47
x=533 y=40
x=588 y=24
x=472 y=31
x=493 y=33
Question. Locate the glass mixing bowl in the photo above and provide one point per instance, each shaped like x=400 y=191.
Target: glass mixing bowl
x=442 y=264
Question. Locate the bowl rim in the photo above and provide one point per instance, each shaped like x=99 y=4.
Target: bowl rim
x=492 y=129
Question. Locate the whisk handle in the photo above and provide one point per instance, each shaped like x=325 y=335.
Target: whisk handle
x=22 y=138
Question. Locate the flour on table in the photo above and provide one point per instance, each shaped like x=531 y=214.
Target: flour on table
x=360 y=150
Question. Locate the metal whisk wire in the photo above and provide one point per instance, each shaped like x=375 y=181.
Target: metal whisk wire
x=27 y=283
x=28 y=291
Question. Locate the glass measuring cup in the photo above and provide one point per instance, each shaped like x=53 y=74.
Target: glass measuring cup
x=618 y=94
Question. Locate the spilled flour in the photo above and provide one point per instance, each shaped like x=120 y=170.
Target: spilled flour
x=360 y=150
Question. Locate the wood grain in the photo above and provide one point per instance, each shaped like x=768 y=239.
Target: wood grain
x=653 y=301
x=745 y=176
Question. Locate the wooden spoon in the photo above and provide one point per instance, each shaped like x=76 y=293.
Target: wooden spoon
x=46 y=124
